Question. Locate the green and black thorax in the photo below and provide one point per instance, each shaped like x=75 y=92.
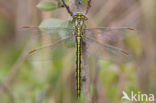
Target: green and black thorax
x=79 y=24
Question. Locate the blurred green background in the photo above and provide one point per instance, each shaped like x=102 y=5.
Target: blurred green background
x=24 y=81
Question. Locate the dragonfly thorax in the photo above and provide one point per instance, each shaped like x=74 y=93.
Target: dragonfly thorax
x=79 y=20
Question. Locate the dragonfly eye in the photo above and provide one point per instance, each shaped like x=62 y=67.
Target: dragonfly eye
x=82 y=17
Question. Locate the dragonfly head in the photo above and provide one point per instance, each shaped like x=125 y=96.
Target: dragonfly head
x=79 y=18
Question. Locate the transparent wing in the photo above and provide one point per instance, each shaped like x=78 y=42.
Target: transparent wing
x=46 y=33
x=53 y=51
x=47 y=30
x=106 y=51
x=110 y=35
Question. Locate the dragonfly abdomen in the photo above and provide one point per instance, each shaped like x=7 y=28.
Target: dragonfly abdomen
x=78 y=65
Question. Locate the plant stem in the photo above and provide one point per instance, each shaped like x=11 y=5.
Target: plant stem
x=85 y=75
x=85 y=68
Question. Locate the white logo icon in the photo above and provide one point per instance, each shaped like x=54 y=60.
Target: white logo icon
x=125 y=96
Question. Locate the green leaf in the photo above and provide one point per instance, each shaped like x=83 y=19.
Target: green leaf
x=47 y=6
x=51 y=23
x=53 y=26
x=85 y=1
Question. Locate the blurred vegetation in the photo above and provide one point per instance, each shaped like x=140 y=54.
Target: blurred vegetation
x=25 y=81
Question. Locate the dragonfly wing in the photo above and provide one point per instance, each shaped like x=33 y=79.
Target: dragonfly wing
x=51 y=51
x=109 y=35
x=95 y=48
x=46 y=33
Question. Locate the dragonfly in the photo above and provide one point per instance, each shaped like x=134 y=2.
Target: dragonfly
x=79 y=35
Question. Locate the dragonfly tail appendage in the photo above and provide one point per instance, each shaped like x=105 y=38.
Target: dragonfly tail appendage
x=78 y=66
x=124 y=52
x=131 y=29
x=32 y=51
x=26 y=26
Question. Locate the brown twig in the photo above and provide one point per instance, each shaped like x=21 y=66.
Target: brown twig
x=6 y=88
x=14 y=70
x=85 y=70
x=85 y=73
x=67 y=8
x=16 y=67
x=85 y=67
x=89 y=6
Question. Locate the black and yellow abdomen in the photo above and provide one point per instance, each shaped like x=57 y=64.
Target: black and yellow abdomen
x=78 y=64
